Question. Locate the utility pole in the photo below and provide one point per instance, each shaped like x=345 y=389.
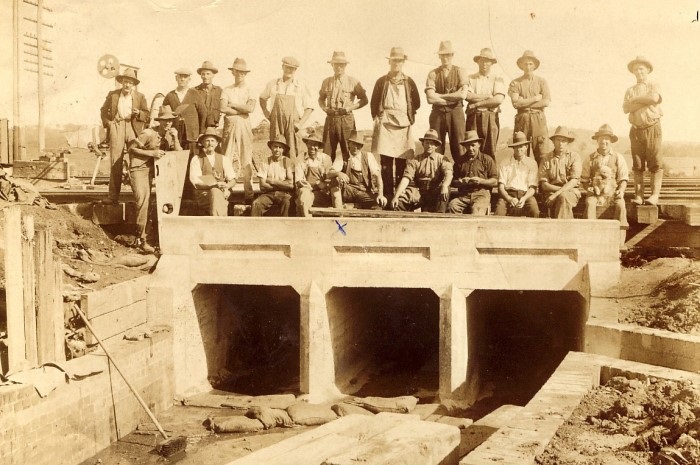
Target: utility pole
x=16 y=142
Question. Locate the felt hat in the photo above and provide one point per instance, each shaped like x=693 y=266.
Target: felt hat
x=528 y=54
x=207 y=65
x=291 y=62
x=638 y=60
x=486 y=54
x=165 y=113
x=431 y=134
x=239 y=64
x=338 y=57
x=471 y=136
x=314 y=139
x=278 y=140
x=356 y=138
x=445 y=48
x=184 y=71
x=519 y=138
x=605 y=130
x=397 y=53
x=209 y=132
x=129 y=73
x=563 y=131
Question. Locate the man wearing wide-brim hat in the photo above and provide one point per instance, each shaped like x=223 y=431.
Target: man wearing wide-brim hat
x=559 y=176
x=643 y=104
x=276 y=180
x=426 y=180
x=189 y=106
x=485 y=92
x=474 y=177
x=395 y=100
x=124 y=114
x=237 y=103
x=530 y=96
x=150 y=145
x=210 y=93
x=212 y=175
x=445 y=90
x=606 y=156
x=313 y=176
x=339 y=96
x=360 y=181
x=517 y=181
x=286 y=103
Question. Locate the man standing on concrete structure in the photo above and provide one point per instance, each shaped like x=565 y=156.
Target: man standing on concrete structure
x=337 y=98
x=150 y=145
x=606 y=156
x=395 y=100
x=276 y=180
x=426 y=180
x=190 y=108
x=314 y=175
x=559 y=176
x=286 y=103
x=517 y=181
x=485 y=92
x=360 y=182
x=475 y=176
x=445 y=89
x=237 y=103
x=211 y=176
x=209 y=93
x=530 y=95
x=124 y=114
x=642 y=102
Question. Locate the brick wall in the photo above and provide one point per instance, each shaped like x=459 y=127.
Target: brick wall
x=79 y=419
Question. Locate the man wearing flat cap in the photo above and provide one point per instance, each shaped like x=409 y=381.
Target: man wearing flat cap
x=237 y=103
x=517 y=181
x=475 y=176
x=395 y=100
x=339 y=96
x=485 y=92
x=276 y=180
x=313 y=176
x=211 y=175
x=643 y=104
x=209 y=93
x=124 y=114
x=530 y=96
x=426 y=180
x=559 y=176
x=286 y=103
x=445 y=90
x=190 y=108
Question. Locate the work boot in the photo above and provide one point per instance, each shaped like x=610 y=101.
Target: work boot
x=656 y=180
x=638 y=188
x=144 y=247
x=623 y=240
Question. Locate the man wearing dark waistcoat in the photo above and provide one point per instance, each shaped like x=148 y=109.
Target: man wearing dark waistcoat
x=211 y=176
x=360 y=181
x=210 y=93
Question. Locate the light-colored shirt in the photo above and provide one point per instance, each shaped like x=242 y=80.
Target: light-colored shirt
x=238 y=95
x=518 y=175
x=322 y=163
x=491 y=84
x=341 y=92
x=559 y=170
x=649 y=114
x=196 y=169
x=616 y=162
x=302 y=97
x=355 y=162
x=180 y=95
x=528 y=88
x=280 y=170
x=124 y=105
x=432 y=166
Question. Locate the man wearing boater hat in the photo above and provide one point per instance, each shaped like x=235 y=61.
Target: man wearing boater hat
x=485 y=92
x=559 y=176
x=151 y=144
x=276 y=180
x=426 y=179
x=191 y=110
x=340 y=94
x=474 y=177
x=313 y=176
x=445 y=89
x=124 y=114
x=517 y=181
x=642 y=102
x=530 y=95
x=210 y=93
x=211 y=176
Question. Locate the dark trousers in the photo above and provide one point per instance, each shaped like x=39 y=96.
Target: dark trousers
x=486 y=124
x=266 y=201
x=336 y=130
x=451 y=124
x=645 y=144
x=141 y=179
x=530 y=208
x=427 y=200
x=392 y=172
x=534 y=125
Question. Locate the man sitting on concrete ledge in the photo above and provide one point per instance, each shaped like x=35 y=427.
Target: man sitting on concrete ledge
x=313 y=176
x=212 y=175
x=276 y=180
x=517 y=181
x=475 y=176
x=360 y=181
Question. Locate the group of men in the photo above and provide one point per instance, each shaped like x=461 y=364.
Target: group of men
x=391 y=175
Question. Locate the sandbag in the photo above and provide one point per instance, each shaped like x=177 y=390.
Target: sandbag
x=342 y=409
x=310 y=414
x=234 y=424
x=270 y=417
x=403 y=404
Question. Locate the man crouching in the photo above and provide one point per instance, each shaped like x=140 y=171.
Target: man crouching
x=360 y=181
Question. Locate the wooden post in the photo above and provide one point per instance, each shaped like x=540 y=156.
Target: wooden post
x=16 y=141
x=40 y=74
x=4 y=141
x=29 y=288
x=45 y=293
x=14 y=288
x=59 y=352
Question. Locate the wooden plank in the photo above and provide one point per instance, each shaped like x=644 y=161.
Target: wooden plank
x=45 y=294
x=59 y=314
x=29 y=288
x=170 y=181
x=48 y=170
x=4 y=141
x=114 y=297
x=14 y=288
x=117 y=322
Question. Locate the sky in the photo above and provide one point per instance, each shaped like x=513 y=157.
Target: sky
x=584 y=48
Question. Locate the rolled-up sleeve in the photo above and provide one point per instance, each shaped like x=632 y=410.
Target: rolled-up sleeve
x=623 y=173
x=410 y=171
x=430 y=81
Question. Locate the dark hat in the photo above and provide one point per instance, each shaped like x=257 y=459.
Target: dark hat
x=445 y=48
x=356 y=138
x=431 y=134
x=638 y=60
x=278 y=140
x=184 y=71
x=519 y=138
x=239 y=64
x=338 y=57
x=165 y=113
x=291 y=61
x=210 y=132
x=563 y=131
x=397 y=53
x=528 y=54
x=487 y=54
x=207 y=65
x=605 y=130
x=129 y=73
x=471 y=136
x=313 y=138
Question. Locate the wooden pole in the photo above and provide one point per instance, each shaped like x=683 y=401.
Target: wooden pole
x=16 y=145
x=59 y=352
x=40 y=74
x=14 y=288
x=45 y=284
x=29 y=289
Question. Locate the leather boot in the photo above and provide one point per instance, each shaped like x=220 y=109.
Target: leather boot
x=623 y=239
x=639 y=187
x=656 y=180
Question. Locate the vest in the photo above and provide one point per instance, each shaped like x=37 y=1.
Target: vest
x=217 y=170
x=447 y=86
x=367 y=181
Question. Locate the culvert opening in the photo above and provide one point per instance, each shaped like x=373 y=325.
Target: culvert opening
x=251 y=335
x=518 y=338
x=385 y=341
